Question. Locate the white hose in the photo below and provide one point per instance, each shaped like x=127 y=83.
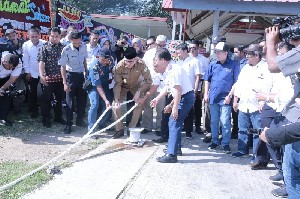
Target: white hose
x=4 y=187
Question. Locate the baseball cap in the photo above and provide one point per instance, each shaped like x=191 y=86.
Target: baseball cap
x=105 y=53
x=221 y=46
x=8 y=31
x=130 y=53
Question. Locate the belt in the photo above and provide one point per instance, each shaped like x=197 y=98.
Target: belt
x=187 y=93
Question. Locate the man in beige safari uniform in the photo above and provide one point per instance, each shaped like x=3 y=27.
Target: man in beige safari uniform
x=131 y=74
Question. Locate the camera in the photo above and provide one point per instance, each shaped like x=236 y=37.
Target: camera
x=13 y=92
x=288 y=28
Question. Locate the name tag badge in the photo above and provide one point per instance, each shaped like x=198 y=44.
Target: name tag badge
x=228 y=70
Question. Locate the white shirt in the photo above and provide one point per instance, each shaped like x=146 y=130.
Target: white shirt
x=148 y=59
x=174 y=76
x=192 y=67
x=65 y=41
x=30 y=57
x=250 y=81
x=283 y=88
x=5 y=73
x=204 y=65
x=92 y=51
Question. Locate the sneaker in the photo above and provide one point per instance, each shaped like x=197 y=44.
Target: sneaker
x=226 y=149
x=212 y=146
x=207 y=139
x=240 y=155
x=280 y=192
x=277 y=177
x=179 y=152
x=188 y=135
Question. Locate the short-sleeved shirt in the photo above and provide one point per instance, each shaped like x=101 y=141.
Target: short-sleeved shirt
x=99 y=75
x=5 y=73
x=221 y=78
x=73 y=58
x=192 y=68
x=176 y=76
x=50 y=54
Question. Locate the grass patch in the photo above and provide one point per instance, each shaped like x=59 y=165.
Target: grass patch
x=10 y=171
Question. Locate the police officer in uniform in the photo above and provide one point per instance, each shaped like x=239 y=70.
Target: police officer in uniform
x=73 y=65
x=99 y=76
x=9 y=72
x=131 y=74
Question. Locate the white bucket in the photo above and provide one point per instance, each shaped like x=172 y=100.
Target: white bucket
x=135 y=134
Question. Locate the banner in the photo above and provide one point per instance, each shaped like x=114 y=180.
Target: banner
x=22 y=14
x=68 y=15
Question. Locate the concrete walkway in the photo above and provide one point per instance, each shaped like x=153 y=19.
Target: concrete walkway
x=115 y=171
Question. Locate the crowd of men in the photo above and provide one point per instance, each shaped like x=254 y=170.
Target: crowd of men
x=253 y=87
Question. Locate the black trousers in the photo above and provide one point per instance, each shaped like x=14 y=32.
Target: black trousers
x=56 y=89
x=261 y=152
x=5 y=101
x=164 y=132
x=188 y=122
x=207 y=118
x=198 y=110
x=32 y=84
x=235 y=128
x=75 y=80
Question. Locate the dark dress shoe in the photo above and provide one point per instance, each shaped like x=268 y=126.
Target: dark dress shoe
x=258 y=165
x=160 y=140
x=118 y=134
x=81 y=123
x=47 y=124
x=157 y=133
x=179 y=152
x=144 y=131
x=68 y=129
x=34 y=115
x=199 y=131
x=60 y=121
x=167 y=158
x=5 y=123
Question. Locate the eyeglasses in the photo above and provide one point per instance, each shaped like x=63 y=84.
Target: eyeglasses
x=249 y=53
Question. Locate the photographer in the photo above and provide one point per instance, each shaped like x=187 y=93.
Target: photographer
x=9 y=72
x=120 y=47
x=289 y=129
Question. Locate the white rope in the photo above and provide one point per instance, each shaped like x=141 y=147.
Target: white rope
x=4 y=187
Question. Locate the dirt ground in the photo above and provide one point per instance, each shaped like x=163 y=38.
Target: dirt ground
x=28 y=141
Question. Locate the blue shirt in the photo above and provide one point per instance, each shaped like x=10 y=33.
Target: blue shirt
x=221 y=78
x=243 y=62
x=99 y=75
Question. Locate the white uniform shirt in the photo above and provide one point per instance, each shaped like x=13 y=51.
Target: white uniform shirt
x=175 y=75
x=283 y=88
x=148 y=59
x=5 y=73
x=30 y=57
x=204 y=65
x=192 y=67
x=92 y=51
x=250 y=81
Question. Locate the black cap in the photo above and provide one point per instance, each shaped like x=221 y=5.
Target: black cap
x=130 y=53
x=105 y=53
